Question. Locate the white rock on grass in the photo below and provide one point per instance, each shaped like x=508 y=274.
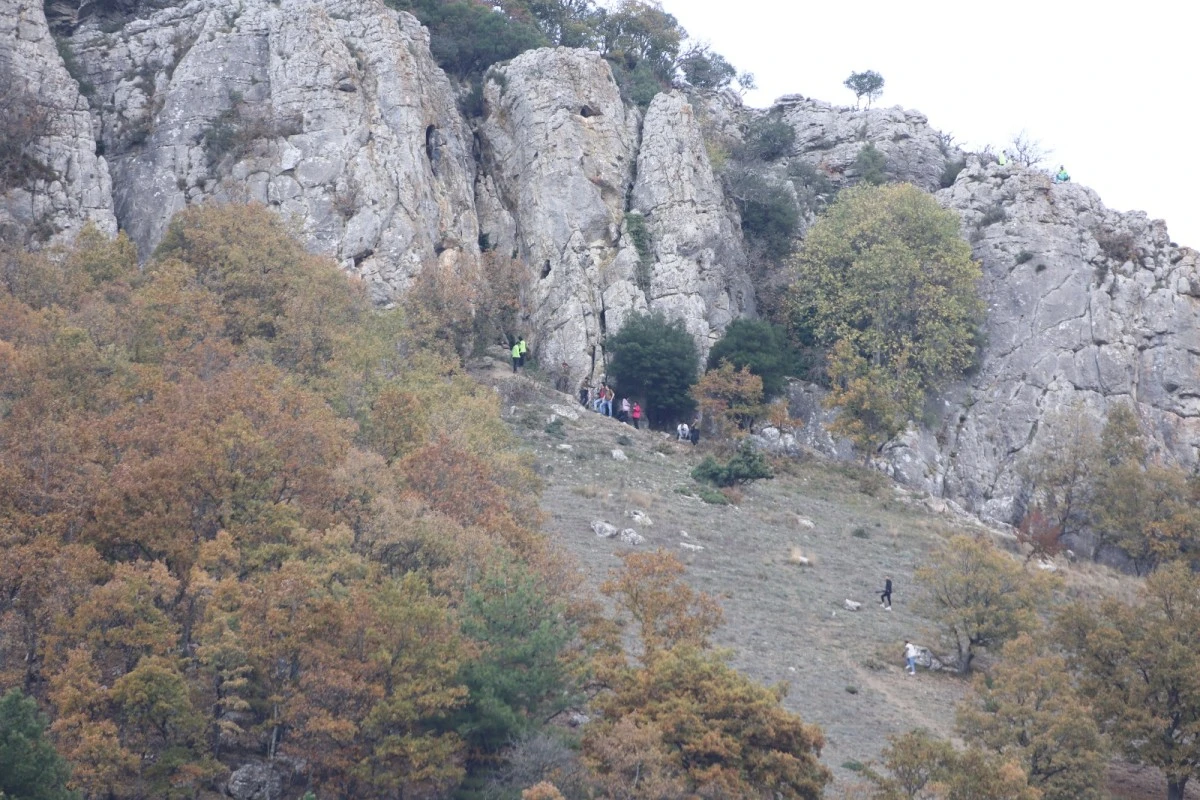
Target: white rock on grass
x=639 y=516
x=851 y=605
x=630 y=536
x=619 y=455
x=695 y=548
x=564 y=411
x=604 y=529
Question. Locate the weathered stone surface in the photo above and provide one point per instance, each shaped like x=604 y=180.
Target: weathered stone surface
x=631 y=537
x=255 y=781
x=558 y=149
x=605 y=530
x=698 y=272
x=830 y=137
x=1086 y=308
x=331 y=111
x=74 y=187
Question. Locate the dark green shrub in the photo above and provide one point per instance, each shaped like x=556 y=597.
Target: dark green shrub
x=466 y=38
x=759 y=346
x=993 y=215
x=656 y=361
x=870 y=165
x=638 y=84
x=813 y=187
x=639 y=234
x=950 y=173
x=555 y=428
x=769 y=213
x=518 y=679
x=768 y=138
x=705 y=69
x=1118 y=247
x=746 y=465
x=30 y=768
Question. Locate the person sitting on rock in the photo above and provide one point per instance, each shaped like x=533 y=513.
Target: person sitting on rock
x=1062 y=176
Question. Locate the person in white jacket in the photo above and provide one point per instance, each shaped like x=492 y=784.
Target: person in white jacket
x=911 y=651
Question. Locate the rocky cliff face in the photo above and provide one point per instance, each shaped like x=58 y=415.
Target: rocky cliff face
x=830 y=138
x=1086 y=307
x=69 y=185
x=558 y=188
x=332 y=112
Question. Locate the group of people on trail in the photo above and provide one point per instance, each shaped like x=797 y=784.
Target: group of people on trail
x=519 y=351
x=601 y=401
x=911 y=651
x=686 y=433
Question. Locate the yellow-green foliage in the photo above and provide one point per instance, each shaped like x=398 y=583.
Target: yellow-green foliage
x=885 y=271
x=1028 y=708
x=979 y=595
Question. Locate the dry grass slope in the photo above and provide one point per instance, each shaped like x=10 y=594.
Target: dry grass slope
x=782 y=561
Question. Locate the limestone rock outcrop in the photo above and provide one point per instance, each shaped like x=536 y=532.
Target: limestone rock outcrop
x=558 y=148
x=698 y=269
x=67 y=184
x=331 y=111
x=557 y=188
x=1086 y=307
x=830 y=137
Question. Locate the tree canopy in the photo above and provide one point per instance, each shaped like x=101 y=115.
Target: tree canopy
x=760 y=347
x=1138 y=663
x=868 y=84
x=655 y=361
x=886 y=288
x=979 y=596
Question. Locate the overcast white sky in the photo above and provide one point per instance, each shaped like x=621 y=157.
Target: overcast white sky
x=1113 y=89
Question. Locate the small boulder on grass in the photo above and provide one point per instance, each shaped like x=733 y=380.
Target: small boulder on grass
x=630 y=536
x=797 y=557
x=851 y=605
x=604 y=529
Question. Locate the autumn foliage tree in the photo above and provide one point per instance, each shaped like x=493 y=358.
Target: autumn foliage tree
x=886 y=289
x=1138 y=664
x=222 y=535
x=979 y=596
x=919 y=766
x=1028 y=708
x=680 y=721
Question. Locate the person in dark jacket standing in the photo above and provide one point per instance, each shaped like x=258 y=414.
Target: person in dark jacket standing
x=885 y=597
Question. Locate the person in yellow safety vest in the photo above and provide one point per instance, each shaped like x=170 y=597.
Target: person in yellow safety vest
x=516 y=356
x=524 y=349
x=1002 y=159
x=1062 y=176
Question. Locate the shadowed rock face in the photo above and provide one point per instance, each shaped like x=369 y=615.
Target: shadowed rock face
x=72 y=185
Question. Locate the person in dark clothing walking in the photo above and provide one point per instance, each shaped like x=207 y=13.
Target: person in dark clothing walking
x=885 y=597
